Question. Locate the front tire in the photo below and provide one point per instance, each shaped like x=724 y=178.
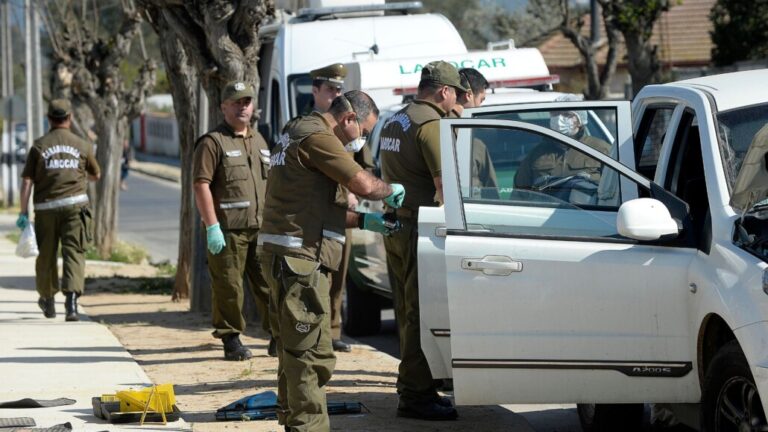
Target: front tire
x=731 y=401
x=611 y=417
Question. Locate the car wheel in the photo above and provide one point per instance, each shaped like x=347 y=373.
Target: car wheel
x=731 y=400
x=362 y=312
x=610 y=417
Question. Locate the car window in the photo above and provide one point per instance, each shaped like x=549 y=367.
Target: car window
x=517 y=181
x=650 y=137
x=301 y=94
x=598 y=123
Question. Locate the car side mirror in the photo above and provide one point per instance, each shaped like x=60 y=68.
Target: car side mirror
x=645 y=219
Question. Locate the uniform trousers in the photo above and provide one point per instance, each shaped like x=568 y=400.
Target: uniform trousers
x=70 y=225
x=227 y=268
x=300 y=320
x=414 y=380
x=338 y=283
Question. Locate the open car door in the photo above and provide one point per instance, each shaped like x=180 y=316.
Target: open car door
x=547 y=301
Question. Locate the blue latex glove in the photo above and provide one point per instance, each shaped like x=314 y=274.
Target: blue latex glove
x=375 y=222
x=215 y=238
x=395 y=199
x=23 y=221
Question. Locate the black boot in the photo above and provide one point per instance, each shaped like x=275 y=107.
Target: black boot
x=48 y=307
x=234 y=349
x=70 y=304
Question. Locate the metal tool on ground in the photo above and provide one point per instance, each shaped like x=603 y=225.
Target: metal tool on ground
x=263 y=406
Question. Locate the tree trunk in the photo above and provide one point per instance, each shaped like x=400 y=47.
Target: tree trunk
x=110 y=132
x=643 y=62
x=182 y=77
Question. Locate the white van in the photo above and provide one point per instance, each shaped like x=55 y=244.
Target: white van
x=314 y=37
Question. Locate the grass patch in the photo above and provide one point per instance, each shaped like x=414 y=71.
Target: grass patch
x=121 y=252
x=165 y=268
x=14 y=236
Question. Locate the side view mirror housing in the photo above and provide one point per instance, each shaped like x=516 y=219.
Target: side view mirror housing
x=645 y=219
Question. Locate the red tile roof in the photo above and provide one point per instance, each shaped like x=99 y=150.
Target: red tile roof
x=682 y=34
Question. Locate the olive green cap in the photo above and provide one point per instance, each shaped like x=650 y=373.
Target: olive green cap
x=235 y=90
x=334 y=73
x=59 y=108
x=444 y=73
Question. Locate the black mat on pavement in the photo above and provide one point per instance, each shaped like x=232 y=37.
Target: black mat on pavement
x=64 y=427
x=36 y=403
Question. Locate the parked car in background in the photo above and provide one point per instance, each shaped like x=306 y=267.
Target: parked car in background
x=644 y=280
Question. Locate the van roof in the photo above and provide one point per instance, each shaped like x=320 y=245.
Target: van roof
x=312 y=44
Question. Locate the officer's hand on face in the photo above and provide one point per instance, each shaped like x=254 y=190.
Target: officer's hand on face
x=377 y=222
x=215 y=238
x=395 y=199
x=23 y=221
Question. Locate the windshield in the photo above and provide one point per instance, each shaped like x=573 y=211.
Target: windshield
x=736 y=130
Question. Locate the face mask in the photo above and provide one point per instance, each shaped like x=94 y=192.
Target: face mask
x=566 y=125
x=356 y=144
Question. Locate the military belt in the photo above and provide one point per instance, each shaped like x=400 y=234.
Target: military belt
x=235 y=205
x=295 y=242
x=62 y=202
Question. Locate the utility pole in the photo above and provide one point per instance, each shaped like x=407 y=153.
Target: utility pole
x=32 y=66
x=8 y=182
x=594 y=27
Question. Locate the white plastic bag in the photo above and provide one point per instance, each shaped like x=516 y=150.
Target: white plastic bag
x=27 y=246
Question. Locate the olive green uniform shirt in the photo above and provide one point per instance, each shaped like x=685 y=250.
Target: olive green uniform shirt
x=301 y=216
x=410 y=152
x=58 y=164
x=236 y=168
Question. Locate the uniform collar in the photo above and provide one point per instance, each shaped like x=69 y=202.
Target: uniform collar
x=431 y=105
x=225 y=127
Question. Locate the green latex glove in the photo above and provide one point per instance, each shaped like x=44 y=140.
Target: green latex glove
x=23 y=221
x=215 y=238
x=395 y=199
x=377 y=223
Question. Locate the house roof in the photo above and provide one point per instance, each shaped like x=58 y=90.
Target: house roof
x=682 y=34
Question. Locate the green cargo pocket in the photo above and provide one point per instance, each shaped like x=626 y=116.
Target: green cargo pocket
x=303 y=309
x=86 y=232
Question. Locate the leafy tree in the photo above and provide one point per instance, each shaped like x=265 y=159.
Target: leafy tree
x=635 y=20
x=740 y=31
x=86 y=59
x=203 y=43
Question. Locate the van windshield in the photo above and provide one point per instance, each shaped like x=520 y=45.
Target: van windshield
x=300 y=94
x=737 y=129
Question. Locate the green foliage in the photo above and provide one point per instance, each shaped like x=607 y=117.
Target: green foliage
x=740 y=31
x=121 y=252
x=162 y=85
x=165 y=268
x=14 y=236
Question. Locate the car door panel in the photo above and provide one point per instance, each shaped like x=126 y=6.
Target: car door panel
x=586 y=314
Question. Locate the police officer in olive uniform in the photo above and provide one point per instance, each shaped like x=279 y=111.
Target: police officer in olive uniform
x=327 y=84
x=410 y=154
x=230 y=169
x=484 y=182
x=302 y=240
x=59 y=165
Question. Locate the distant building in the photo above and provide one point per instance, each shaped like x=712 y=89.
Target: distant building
x=682 y=35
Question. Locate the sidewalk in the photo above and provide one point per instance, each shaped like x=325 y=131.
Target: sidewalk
x=163 y=167
x=47 y=359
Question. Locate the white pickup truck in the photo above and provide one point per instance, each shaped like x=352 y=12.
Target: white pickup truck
x=602 y=287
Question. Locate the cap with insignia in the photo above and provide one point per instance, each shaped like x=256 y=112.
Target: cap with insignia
x=444 y=73
x=59 y=108
x=235 y=90
x=334 y=74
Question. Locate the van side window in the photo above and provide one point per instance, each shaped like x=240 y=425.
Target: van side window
x=275 y=111
x=650 y=137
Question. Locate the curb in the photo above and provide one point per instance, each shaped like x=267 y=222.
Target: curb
x=157 y=170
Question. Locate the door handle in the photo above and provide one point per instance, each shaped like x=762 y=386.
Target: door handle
x=492 y=265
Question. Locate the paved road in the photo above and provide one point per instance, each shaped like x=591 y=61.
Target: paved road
x=149 y=216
